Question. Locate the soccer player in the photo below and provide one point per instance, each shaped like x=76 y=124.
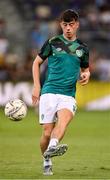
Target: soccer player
x=68 y=59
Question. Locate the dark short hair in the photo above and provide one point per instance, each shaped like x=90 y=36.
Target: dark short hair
x=69 y=15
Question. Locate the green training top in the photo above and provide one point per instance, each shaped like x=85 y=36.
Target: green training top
x=65 y=58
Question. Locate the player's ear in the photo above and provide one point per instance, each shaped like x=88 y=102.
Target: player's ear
x=77 y=24
x=61 y=24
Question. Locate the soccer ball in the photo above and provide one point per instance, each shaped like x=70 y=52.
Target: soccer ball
x=15 y=110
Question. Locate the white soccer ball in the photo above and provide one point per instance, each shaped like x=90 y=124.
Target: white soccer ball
x=16 y=109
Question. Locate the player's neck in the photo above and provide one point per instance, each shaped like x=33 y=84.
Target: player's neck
x=73 y=38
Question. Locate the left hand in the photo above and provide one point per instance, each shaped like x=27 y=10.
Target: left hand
x=84 y=78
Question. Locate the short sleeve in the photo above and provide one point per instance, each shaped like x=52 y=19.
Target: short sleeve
x=45 y=50
x=85 y=58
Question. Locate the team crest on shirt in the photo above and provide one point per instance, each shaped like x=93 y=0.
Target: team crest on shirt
x=79 y=52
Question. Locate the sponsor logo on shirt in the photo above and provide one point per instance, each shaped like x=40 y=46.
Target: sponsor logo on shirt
x=59 y=49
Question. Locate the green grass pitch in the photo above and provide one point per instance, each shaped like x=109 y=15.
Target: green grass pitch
x=88 y=155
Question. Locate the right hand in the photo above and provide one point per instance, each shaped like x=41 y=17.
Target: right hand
x=35 y=95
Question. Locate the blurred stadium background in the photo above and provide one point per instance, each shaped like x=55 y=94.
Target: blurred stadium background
x=24 y=26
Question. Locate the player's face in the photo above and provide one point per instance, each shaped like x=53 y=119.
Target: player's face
x=69 y=28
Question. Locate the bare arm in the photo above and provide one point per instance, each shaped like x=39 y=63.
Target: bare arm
x=84 y=76
x=36 y=79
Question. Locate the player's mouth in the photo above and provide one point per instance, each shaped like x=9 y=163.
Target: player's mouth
x=69 y=33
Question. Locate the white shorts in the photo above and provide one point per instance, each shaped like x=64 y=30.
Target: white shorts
x=50 y=103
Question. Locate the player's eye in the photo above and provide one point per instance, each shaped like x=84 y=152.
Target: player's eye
x=71 y=24
x=65 y=24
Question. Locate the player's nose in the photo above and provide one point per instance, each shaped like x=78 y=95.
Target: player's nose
x=68 y=27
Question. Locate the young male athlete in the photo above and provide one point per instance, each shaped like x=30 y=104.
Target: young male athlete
x=68 y=59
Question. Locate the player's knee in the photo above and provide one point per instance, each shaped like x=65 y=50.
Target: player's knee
x=47 y=133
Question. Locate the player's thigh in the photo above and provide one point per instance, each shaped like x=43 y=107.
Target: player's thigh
x=64 y=117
